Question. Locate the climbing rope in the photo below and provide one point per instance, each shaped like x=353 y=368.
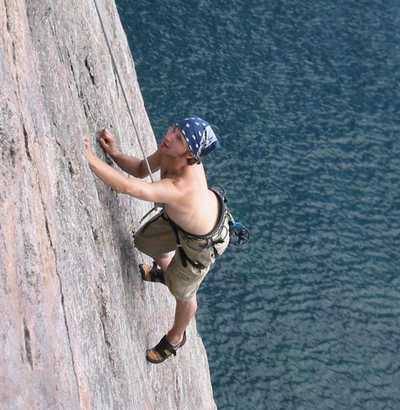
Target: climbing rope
x=133 y=227
x=123 y=90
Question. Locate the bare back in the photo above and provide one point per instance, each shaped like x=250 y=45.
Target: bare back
x=197 y=212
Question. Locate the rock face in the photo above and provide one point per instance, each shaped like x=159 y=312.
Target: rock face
x=75 y=316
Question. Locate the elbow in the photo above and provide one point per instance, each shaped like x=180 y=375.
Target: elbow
x=137 y=171
x=141 y=171
x=140 y=174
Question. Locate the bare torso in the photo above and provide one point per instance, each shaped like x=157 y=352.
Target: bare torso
x=197 y=212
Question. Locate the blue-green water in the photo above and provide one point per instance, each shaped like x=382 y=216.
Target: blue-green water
x=305 y=95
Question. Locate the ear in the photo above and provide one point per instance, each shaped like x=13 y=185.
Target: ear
x=191 y=160
x=188 y=155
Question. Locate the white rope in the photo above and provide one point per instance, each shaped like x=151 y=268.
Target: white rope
x=133 y=227
x=123 y=90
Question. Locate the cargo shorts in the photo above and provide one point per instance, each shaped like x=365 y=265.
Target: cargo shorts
x=157 y=237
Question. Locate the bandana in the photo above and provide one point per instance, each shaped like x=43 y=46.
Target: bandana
x=199 y=135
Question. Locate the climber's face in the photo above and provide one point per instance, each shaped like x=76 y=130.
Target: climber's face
x=174 y=143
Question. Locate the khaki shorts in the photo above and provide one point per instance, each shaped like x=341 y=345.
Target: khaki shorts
x=156 y=237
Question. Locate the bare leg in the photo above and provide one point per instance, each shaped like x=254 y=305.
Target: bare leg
x=184 y=312
x=163 y=261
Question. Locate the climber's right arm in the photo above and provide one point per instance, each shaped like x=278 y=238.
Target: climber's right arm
x=135 y=166
x=129 y=164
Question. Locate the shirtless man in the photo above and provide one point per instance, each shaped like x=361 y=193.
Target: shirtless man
x=191 y=230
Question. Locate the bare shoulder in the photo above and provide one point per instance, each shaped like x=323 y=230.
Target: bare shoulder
x=187 y=182
x=182 y=186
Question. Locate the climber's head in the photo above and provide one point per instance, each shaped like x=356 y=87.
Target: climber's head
x=199 y=136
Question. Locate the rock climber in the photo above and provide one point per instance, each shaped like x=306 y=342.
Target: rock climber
x=189 y=232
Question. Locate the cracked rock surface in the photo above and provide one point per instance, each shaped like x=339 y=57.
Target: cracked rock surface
x=76 y=318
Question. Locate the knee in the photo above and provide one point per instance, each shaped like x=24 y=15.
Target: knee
x=193 y=303
x=190 y=304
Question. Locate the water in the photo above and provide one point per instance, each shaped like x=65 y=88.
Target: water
x=305 y=95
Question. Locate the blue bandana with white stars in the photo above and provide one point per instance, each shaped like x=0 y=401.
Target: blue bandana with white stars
x=199 y=135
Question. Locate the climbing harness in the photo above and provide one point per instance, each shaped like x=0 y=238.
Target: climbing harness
x=238 y=234
x=209 y=240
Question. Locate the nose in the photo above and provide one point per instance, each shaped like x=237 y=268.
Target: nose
x=170 y=132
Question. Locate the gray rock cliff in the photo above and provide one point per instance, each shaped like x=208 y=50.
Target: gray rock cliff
x=75 y=316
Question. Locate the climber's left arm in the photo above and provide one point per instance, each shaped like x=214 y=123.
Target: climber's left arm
x=164 y=191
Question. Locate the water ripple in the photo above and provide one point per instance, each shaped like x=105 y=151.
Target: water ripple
x=306 y=99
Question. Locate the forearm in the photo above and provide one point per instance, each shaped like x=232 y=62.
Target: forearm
x=108 y=174
x=164 y=191
x=129 y=164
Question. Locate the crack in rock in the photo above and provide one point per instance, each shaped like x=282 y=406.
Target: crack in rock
x=7 y=17
x=90 y=70
x=28 y=347
x=103 y=320
x=28 y=153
